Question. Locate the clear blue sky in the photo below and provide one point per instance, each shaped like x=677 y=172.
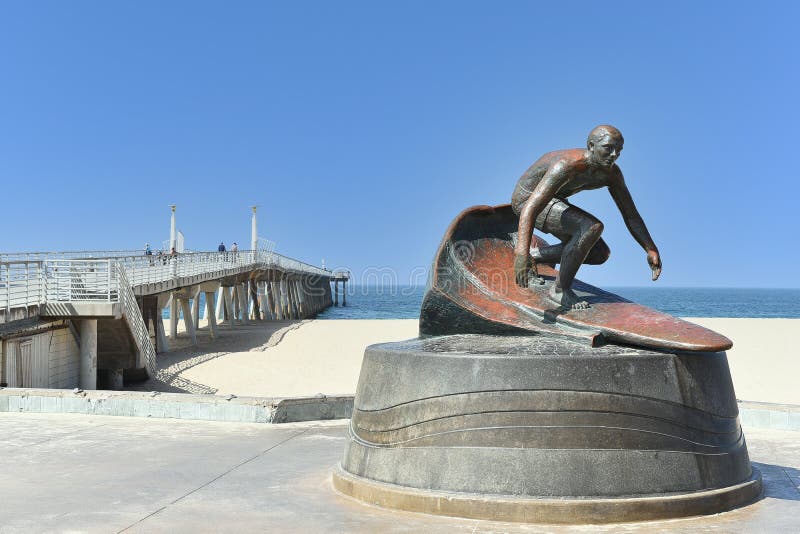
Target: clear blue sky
x=363 y=128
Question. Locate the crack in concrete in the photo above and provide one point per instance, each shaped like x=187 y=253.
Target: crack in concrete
x=206 y=484
x=54 y=438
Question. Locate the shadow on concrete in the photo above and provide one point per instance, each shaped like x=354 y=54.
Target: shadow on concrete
x=254 y=336
x=780 y=482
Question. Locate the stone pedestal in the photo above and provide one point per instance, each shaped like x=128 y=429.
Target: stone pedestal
x=541 y=429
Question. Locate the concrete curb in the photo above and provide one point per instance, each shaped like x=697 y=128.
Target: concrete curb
x=267 y=409
x=176 y=405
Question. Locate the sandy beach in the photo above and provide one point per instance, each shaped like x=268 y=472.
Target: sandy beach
x=299 y=358
x=764 y=360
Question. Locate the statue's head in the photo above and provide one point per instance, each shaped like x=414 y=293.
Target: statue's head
x=604 y=145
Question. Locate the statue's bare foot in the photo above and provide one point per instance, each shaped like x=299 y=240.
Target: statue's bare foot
x=535 y=281
x=566 y=298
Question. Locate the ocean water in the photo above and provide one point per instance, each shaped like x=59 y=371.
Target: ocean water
x=378 y=302
x=716 y=302
x=375 y=302
x=404 y=302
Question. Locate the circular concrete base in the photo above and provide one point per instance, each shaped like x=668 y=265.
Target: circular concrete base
x=548 y=510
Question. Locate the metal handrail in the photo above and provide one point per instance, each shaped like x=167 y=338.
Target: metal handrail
x=56 y=279
x=65 y=255
x=131 y=313
x=79 y=280
x=21 y=284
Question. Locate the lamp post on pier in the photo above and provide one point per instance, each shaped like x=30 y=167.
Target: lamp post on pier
x=254 y=233
x=172 y=234
x=174 y=310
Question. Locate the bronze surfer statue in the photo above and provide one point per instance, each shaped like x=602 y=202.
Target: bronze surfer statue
x=540 y=201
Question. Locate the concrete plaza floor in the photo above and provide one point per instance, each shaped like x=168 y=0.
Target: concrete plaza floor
x=62 y=472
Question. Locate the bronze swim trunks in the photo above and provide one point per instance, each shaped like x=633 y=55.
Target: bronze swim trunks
x=550 y=217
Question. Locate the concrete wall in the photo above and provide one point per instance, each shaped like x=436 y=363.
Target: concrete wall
x=64 y=357
x=51 y=359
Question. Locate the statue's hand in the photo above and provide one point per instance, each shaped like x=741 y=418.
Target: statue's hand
x=654 y=259
x=524 y=269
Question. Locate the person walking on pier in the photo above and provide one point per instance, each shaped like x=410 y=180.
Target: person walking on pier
x=148 y=252
x=234 y=251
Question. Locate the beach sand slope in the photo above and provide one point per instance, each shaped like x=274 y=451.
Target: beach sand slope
x=304 y=358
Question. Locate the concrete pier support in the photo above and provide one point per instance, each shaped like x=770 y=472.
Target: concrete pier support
x=88 y=376
x=229 y=316
x=284 y=300
x=279 y=313
x=235 y=299
x=301 y=306
x=344 y=293
x=293 y=294
x=268 y=300
x=196 y=307
x=212 y=320
x=148 y=306
x=208 y=289
x=174 y=315
x=272 y=299
x=266 y=313
x=242 y=294
x=315 y=296
x=220 y=312
x=266 y=295
x=262 y=300
x=187 y=319
x=325 y=296
x=306 y=289
x=293 y=312
x=161 y=335
x=285 y=308
x=255 y=306
x=281 y=301
x=323 y=291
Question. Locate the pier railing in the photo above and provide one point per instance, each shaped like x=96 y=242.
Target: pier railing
x=79 y=281
x=65 y=255
x=21 y=284
x=52 y=277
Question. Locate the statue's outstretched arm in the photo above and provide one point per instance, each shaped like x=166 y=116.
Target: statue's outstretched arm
x=624 y=201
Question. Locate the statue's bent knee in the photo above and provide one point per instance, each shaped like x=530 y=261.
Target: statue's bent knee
x=599 y=254
x=596 y=229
